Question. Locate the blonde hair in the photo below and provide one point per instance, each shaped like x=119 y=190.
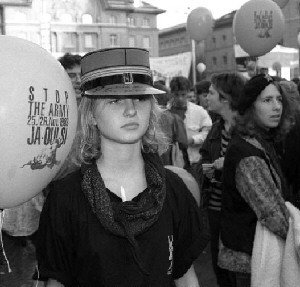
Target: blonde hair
x=154 y=140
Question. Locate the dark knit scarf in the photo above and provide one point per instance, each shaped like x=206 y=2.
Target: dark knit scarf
x=130 y=218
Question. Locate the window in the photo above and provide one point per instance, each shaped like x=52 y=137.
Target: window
x=131 y=21
x=214 y=42
x=146 y=22
x=112 y=19
x=89 y=40
x=131 y=41
x=87 y=19
x=69 y=40
x=113 y=40
x=214 y=60
x=225 y=60
x=146 y=42
x=224 y=38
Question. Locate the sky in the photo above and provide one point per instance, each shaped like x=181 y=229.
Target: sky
x=177 y=11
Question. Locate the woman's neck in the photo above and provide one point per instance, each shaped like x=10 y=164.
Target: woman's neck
x=122 y=167
x=120 y=157
x=229 y=119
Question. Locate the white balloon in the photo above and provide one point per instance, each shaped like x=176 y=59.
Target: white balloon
x=38 y=115
x=201 y=67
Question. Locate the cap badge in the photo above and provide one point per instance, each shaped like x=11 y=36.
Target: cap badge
x=127 y=78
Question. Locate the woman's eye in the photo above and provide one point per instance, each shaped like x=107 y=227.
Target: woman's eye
x=142 y=98
x=115 y=101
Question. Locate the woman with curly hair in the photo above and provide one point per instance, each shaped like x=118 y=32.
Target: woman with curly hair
x=122 y=219
x=254 y=187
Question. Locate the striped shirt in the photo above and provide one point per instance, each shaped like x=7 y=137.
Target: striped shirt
x=216 y=192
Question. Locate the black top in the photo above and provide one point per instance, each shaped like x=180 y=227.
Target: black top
x=74 y=248
x=238 y=220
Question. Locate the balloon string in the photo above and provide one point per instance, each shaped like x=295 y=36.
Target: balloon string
x=3 y=259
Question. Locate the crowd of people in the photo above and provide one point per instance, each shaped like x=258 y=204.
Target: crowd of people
x=116 y=216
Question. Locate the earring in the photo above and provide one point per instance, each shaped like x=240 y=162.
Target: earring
x=93 y=121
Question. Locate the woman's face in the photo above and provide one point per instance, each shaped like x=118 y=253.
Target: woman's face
x=202 y=100
x=214 y=103
x=268 y=107
x=123 y=121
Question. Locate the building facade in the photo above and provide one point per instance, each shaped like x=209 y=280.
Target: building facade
x=174 y=40
x=291 y=14
x=81 y=26
x=219 y=46
x=216 y=52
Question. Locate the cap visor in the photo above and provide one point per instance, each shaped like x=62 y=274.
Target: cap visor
x=123 y=90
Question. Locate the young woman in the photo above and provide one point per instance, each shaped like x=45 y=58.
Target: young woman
x=222 y=100
x=254 y=187
x=122 y=219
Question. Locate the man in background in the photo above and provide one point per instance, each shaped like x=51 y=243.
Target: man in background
x=71 y=64
x=196 y=118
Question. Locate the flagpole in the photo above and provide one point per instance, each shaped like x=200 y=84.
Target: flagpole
x=194 y=61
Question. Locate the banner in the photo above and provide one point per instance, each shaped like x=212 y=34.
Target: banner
x=165 y=68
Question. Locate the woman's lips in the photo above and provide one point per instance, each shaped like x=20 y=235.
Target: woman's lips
x=131 y=126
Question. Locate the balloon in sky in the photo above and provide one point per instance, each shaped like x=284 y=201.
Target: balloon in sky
x=38 y=115
x=199 y=24
x=281 y=3
x=258 y=26
x=201 y=67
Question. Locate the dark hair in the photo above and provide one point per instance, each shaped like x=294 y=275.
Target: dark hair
x=180 y=84
x=230 y=86
x=252 y=90
x=162 y=99
x=297 y=82
x=68 y=61
x=245 y=122
x=202 y=86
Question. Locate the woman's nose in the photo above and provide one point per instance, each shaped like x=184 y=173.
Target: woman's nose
x=277 y=105
x=130 y=110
